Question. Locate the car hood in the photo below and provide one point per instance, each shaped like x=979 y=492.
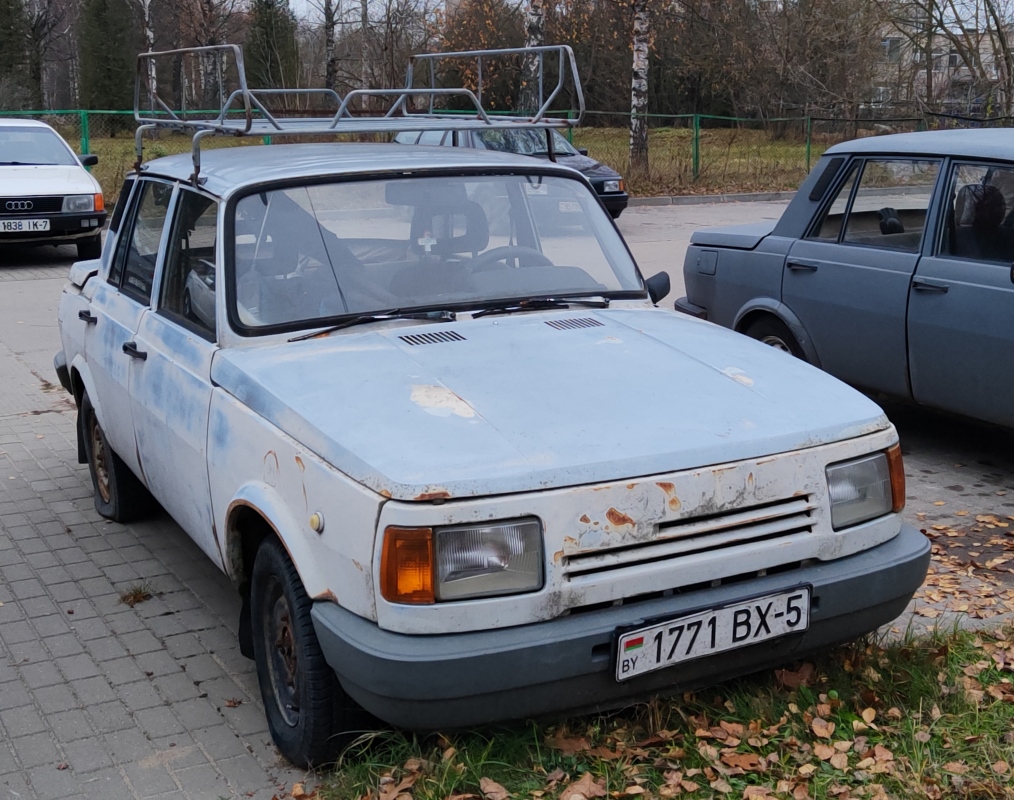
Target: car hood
x=46 y=180
x=586 y=165
x=539 y=400
x=741 y=237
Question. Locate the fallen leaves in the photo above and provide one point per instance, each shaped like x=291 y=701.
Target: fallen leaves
x=822 y=728
x=584 y=788
x=491 y=790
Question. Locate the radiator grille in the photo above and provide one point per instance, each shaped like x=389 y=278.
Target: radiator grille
x=437 y=337
x=39 y=205
x=781 y=519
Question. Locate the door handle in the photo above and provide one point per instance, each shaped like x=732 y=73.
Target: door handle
x=923 y=285
x=87 y=316
x=130 y=348
x=802 y=266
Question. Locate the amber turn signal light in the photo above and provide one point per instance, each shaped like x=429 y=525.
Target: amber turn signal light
x=100 y=204
x=406 y=565
x=897 y=472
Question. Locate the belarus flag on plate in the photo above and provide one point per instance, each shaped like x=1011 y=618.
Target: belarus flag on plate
x=633 y=644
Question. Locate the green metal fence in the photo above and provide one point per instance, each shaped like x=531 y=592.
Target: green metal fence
x=688 y=153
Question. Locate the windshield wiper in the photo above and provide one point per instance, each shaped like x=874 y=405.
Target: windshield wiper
x=22 y=164
x=540 y=303
x=380 y=316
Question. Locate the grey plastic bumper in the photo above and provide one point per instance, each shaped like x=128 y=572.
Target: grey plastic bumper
x=565 y=665
x=60 y=365
x=685 y=306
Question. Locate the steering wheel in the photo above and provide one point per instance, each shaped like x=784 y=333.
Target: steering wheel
x=490 y=257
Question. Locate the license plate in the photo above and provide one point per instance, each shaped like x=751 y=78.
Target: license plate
x=569 y=207
x=713 y=631
x=19 y=225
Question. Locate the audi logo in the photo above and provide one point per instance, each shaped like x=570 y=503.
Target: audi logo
x=20 y=205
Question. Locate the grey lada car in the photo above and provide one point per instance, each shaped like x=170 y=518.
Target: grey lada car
x=456 y=474
x=891 y=269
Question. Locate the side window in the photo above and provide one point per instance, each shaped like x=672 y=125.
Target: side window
x=188 y=278
x=980 y=214
x=137 y=250
x=431 y=137
x=830 y=226
x=890 y=205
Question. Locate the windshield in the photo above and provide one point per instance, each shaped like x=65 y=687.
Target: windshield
x=526 y=141
x=307 y=254
x=37 y=146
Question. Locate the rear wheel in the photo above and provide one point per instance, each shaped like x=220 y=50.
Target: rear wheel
x=775 y=333
x=310 y=717
x=119 y=495
x=90 y=248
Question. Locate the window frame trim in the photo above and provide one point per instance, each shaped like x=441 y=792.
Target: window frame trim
x=126 y=236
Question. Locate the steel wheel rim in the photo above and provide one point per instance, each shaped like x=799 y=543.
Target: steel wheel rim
x=100 y=462
x=776 y=342
x=283 y=663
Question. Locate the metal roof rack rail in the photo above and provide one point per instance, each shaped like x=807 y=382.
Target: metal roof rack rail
x=245 y=112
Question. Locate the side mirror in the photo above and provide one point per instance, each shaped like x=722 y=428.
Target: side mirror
x=583 y=151
x=89 y=160
x=658 y=286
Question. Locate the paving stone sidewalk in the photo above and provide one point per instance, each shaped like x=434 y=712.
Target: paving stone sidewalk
x=98 y=699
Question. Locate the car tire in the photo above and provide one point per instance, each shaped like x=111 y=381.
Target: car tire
x=311 y=718
x=188 y=308
x=90 y=248
x=119 y=495
x=775 y=333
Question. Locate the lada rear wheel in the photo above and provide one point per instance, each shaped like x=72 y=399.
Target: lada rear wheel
x=119 y=495
x=310 y=717
x=775 y=333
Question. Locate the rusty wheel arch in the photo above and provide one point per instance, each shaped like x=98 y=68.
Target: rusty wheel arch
x=245 y=529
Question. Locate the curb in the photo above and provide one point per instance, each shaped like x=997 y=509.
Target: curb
x=706 y=199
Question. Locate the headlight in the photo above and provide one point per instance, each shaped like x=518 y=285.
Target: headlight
x=612 y=186
x=77 y=203
x=424 y=565
x=866 y=488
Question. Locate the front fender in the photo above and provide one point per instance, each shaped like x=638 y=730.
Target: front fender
x=776 y=308
x=269 y=504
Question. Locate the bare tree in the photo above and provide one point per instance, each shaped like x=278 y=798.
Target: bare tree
x=639 y=88
x=535 y=30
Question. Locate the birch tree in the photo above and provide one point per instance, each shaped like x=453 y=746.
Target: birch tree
x=639 y=88
x=535 y=36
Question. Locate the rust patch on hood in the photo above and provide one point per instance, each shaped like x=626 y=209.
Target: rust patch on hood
x=385 y=493
x=585 y=519
x=440 y=494
x=618 y=517
x=300 y=464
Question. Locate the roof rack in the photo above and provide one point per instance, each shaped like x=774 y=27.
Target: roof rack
x=245 y=112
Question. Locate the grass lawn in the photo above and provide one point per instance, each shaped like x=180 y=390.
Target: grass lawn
x=731 y=160
x=929 y=717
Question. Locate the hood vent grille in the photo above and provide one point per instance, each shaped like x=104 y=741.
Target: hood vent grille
x=437 y=337
x=573 y=324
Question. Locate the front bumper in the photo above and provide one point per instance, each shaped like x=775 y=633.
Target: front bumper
x=615 y=202
x=62 y=373
x=566 y=665
x=62 y=228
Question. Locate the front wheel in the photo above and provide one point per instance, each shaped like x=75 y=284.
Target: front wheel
x=775 y=333
x=310 y=717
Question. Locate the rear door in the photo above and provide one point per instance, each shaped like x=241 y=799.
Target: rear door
x=961 y=311
x=170 y=387
x=115 y=311
x=848 y=279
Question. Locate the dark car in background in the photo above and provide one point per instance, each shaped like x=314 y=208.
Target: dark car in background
x=608 y=183
x=891 y=269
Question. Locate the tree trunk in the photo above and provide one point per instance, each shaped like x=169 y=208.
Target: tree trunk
x=639 y=90
x=535 y=28
x=330 y=63
x=364 y=32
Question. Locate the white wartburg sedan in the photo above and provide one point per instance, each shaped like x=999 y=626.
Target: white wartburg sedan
x=46 y=195
x=460 y=472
